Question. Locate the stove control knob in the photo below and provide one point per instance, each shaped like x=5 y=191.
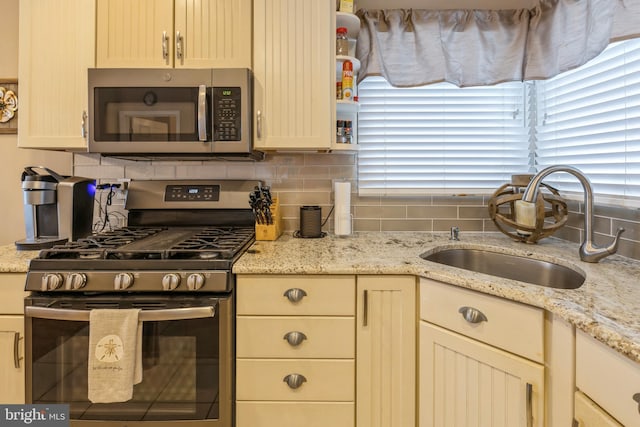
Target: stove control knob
x=122 y=281
x=76 y=281
x=51 y=281
x=195 y=281
x=170 y=281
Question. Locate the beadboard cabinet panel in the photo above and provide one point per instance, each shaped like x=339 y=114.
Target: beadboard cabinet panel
x=386 y=351
x=56 y=46
x=294 y=68
x=174 y=33
x=464 y=382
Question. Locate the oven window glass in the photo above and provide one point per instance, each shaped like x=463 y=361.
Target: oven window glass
x=180 y=371
x=146 y=114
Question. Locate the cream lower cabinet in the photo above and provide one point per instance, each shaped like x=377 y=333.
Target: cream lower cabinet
x=12 y=374
x=472 y=369
x=589 y=414
x=174 y=33
x=295 y=350
x=294 y=70
x=56 y=46
x=386 y=339
x=608 y=385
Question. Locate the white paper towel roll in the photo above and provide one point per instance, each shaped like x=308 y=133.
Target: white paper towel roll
x=342 y=209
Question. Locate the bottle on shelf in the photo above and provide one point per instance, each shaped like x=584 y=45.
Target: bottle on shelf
x=347 y=80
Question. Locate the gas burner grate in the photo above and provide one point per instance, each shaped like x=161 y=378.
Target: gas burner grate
x=128 y=244
x=95 y=246
x=212 y=243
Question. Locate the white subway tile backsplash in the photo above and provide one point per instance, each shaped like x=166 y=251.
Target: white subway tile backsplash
x=307 y=179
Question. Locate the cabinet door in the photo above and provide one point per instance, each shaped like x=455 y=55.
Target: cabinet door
x=588 y=414
x=12 y=359
x=135 y=34
x=294 y=68
x=464 y=382
x=213 y=33
x=56 y=46
x=385 y=351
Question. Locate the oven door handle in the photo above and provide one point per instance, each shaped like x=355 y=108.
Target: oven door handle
x=145 y=315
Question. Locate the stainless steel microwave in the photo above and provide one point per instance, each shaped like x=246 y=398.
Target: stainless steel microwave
x=170 y=112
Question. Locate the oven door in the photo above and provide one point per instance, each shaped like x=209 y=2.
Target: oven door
x=187 y=353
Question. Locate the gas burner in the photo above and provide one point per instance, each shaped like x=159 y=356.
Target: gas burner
x=131 y=255
x=196 y=254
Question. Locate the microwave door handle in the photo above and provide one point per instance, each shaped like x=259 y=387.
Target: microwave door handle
x=145 y=315
x=202 y=113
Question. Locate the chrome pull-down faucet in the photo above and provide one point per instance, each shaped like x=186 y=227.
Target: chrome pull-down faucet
x=588 y=251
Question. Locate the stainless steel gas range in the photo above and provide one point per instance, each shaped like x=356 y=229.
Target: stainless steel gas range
x=173 y=261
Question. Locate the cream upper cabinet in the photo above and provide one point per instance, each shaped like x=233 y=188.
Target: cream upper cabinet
x=609 y=379
x=475 y=368
x=174 y=33
x=56 y=46
x=294 y=69
x=386 y=349
x=12 y=374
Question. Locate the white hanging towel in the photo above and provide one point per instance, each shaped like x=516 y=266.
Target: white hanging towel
x=115 y=354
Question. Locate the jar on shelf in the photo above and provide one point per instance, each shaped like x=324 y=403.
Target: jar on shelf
x=342 y=42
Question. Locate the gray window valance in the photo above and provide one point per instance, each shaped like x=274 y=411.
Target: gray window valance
x=411 y=47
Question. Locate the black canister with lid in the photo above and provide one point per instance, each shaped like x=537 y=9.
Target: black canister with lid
x=310 y=222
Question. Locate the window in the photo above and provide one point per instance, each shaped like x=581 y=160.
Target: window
x=590 y=118
x=444 y=139
x=440 y=138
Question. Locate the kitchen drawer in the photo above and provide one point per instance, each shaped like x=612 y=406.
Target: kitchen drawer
x=588 y=414
x=12 y=293
x=320 y=295
x=295 y=414
x=609 y=378
x=326 y=337
x=326 y=380
x=509 y=325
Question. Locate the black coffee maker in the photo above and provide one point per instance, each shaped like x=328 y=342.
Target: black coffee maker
x=57 y=208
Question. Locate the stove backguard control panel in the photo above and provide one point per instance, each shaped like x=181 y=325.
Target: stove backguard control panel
x=192 y=193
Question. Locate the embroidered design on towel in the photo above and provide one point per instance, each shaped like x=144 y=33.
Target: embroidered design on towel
x=109 y=349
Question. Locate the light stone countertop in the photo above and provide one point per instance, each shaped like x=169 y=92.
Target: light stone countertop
x=15 y=261
x=606 y=306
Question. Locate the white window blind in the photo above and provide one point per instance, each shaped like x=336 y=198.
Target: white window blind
x=440 y=138
x=590 y=118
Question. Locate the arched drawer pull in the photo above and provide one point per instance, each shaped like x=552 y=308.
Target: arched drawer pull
x=294 y=381
x=636 y=397
x=295 y=338
x=295 y=294
x=472 y=315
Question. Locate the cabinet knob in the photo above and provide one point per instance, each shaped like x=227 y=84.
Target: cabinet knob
x=636 y=398
x=472 y=315
x=295 y=294
x=294 y=381
x=295 y=338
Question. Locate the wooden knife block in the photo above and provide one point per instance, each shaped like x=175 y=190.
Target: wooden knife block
x=271 y=231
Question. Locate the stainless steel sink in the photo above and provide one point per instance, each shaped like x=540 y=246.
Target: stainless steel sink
x=507 y=266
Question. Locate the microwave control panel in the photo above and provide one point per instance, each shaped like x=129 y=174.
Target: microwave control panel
x=227 y=114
